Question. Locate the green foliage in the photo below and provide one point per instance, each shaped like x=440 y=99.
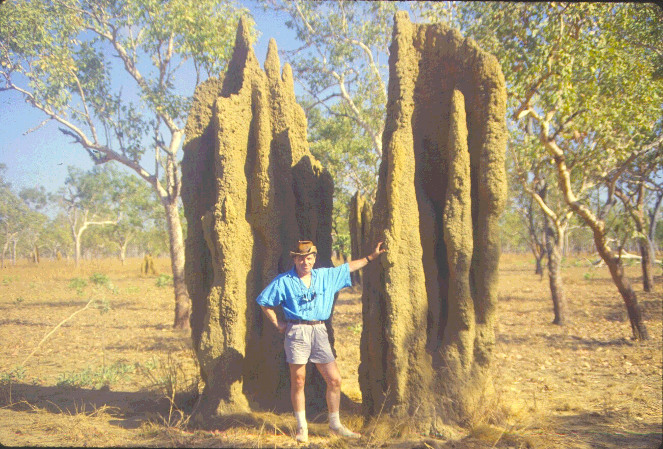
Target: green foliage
x=579 y=77
x=341 y=244
x=62 y=49
x=132 y=290
x=347 y=154
x=103 y=305
x=641 y=25
x=78 y=284
x=6 y=280
x=164 y=280
x=15 y=374
x=99 y=279
x=138 y=208
x=95 y=378
x=109 y=73
x=18 y=222
x=19 y=300
x=513 y=223
x=593 y=82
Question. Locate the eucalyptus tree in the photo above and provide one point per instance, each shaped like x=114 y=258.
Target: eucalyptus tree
x=521 y=203
x=13 y=216
x=586 y=91
x=334 y=141
x=514 y=223
x=637 y=189
x=88 y=201
x=534 y=177
x=56 y=236
x=654 y=212
x=137 y=205
x=107 y=72
x=36 y=199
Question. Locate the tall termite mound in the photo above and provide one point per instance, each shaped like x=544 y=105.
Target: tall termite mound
x=359 y=220
x=429 y=305
x=250 y=189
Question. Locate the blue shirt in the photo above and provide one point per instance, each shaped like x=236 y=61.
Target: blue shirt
x=301 y=303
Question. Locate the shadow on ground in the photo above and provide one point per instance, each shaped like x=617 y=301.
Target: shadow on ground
x=131 y=408
x=598 y=431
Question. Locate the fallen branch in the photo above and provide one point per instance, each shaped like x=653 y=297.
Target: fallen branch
x=596 y=263
x=624 y=255
x=87 y=306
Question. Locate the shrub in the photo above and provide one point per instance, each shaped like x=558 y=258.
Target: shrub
x=95 y=378
x=7 y=377
x=99 y=279
x=164 y=280
x=6 y=280
x=78 y=284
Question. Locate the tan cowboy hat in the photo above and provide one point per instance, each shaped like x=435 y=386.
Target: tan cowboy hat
x=304 y=248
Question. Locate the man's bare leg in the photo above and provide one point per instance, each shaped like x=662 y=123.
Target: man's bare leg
x=332 y=376
x=298 y=398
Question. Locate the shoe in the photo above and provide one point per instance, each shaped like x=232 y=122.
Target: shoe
x=302 y=435
x=344 y=432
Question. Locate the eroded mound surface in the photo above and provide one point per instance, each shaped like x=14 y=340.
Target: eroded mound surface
x=251 y=189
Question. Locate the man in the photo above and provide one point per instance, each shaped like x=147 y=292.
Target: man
x=307 y=297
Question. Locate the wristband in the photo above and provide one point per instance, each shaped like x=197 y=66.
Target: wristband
x=368 y=260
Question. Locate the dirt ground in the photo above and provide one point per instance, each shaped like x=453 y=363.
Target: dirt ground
x=117 y=374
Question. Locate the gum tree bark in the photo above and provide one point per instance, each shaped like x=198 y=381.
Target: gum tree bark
x=637 y=211
x=554 y=246
x=429 y=305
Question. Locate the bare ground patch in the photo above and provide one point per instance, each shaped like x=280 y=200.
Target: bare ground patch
x=109 y=379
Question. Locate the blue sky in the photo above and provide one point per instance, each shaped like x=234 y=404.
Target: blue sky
x=41 y=157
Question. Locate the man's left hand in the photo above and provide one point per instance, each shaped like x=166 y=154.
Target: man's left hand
x=377 y=251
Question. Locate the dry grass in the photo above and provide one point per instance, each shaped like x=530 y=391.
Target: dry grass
x=126 y=378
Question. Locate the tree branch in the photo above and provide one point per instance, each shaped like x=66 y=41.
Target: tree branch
x=36 y=127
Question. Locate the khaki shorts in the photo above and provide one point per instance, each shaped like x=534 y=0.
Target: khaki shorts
x=304 y=342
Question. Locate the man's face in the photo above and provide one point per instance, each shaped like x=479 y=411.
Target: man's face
x=304 y=264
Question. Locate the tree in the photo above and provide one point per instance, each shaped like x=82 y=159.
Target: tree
x=58 y=55
x=641 y=25
x=36 y=199
x=57 y=236
x=589 y=93
x=533 y=175
x=653 y=214
x=137 y=205
x=13 y=214
x=535 y=226
x=88 y=201
x=335 y=143
x=633 y=189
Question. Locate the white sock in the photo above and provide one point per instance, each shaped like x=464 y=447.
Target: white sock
x=301 y=420
x=334 y=420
